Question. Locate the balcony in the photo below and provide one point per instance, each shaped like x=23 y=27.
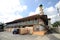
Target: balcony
x=30 y=22
x=35 y=21
x=24 y=23
x=41 y=22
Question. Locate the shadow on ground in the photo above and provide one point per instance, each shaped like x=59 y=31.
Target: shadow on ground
x=52 y=37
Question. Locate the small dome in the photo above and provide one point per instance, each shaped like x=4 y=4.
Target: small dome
x=40 y=5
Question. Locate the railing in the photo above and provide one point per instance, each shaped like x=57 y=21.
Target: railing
x=35 y=21
x=25 y=23
x=29 y=22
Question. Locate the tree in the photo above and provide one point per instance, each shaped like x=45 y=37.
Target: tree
x=56 y=24
x=2 y=25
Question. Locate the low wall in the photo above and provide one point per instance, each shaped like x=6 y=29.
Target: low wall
x=57 y=29
x=41 y=33
x=9 y=29
x=26 y=30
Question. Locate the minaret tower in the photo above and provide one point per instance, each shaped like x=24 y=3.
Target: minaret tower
x=41 y=9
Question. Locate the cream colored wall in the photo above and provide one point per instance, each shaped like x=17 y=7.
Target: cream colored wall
x=10 y=29
x=30 y=29
x=41 y=21
x=49 y=24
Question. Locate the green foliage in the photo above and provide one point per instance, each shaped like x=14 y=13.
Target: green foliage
x=56 y=24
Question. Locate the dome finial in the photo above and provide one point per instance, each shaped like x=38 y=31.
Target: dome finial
x=40 y=5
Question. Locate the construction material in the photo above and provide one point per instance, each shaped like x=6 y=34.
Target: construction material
x=23 y=31
x=41 y=33
x=29 y=29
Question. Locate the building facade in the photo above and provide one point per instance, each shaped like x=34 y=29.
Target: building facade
x=38 y=22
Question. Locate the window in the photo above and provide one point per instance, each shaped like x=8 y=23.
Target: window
x=23 y=26
x=28 y=19
x=35 y=18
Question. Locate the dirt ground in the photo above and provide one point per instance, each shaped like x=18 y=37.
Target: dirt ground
x=10 y=36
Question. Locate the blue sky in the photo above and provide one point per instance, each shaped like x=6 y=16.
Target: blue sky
x=14 y=9
x=33 y=4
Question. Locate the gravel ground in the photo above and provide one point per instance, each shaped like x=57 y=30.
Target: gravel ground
x=10 y=36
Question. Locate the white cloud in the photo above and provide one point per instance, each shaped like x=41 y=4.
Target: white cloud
x=53 y=13
x=35 y=12
x=50 y=11
x=51 y=16
x=58 y=5
x=31 y=13
x=10 y=10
